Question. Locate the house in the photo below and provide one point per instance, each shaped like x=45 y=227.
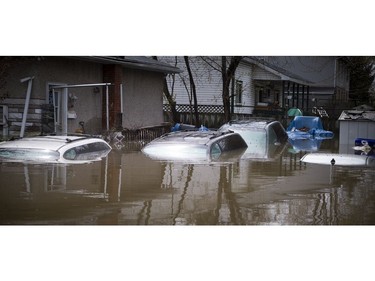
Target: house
x=262 y=86
x=330 y=77
x=80 y=94
x=258 y=88
x=278 y=88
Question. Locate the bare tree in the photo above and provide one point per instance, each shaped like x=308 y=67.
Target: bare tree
x=193 y=92
x=362 y=74
x=169 y=97
x=227 y=74
x=227 y=68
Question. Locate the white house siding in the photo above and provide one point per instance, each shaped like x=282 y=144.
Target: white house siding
x=208 y=82
x=244 y=73
x=262 y=74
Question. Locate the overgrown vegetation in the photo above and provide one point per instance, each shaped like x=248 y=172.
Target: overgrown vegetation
x=362 y=76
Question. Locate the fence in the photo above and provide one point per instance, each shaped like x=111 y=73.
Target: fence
x=135 y=139
x=211 y=116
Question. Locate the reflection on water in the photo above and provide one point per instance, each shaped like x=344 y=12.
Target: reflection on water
x=128 y=188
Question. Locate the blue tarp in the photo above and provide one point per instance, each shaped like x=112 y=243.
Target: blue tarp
x=305 y=144
x=307 y=127
x=183 y=127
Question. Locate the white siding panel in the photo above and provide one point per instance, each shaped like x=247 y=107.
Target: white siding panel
x=262 y=74
x=207 y=81
x=244 y=73
x=350 y=130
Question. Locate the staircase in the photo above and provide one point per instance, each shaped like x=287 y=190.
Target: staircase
x=320 y=111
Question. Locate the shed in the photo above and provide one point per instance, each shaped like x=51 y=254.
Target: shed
x=355 y=124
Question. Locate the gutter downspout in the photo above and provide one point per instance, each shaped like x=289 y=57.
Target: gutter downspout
x=27 y=101
x=107 y=106
x=64 y=112
x=121 y=99
x=121 y=103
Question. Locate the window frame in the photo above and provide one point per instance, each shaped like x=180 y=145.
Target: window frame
x=238 y=91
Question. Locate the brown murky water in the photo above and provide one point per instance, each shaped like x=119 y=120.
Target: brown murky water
x=128 y=188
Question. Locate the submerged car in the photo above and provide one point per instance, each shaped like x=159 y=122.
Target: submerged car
x=338 y=159
x=54 y=149
x=196 y=146
x=265 y=138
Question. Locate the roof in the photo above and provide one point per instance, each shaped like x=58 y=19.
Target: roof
x=283 y=73
x=357 y=115
x=136 y=62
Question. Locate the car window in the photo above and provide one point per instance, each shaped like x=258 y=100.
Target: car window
x=215 y=151
x=231 y=142
x=88 y=151
x=272 y=138
x=279 y=131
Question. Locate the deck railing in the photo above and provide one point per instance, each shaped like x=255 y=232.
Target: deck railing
x=135 y=139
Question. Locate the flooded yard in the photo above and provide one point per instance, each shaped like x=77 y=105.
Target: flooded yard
x=128 y=188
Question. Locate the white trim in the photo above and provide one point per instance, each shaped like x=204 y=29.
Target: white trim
x=64 y=101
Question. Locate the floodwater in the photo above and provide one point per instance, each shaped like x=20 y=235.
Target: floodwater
x=128 y=188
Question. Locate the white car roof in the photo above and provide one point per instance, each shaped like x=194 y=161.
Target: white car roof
x=44 y=142
x=53 y=149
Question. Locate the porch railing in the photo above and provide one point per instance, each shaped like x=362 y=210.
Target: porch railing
x=135 y=139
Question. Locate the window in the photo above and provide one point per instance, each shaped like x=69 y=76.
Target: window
x=264 y=95
x=267 y=95
x=54 y=101
x=215 y=151
x=239 y=84
x=88 y=151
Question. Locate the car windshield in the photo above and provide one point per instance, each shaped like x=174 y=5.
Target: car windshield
x=23 y=154
x=90 y=151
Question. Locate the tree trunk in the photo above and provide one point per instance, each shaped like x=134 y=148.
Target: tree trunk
x=194 y=92
x=171 y=101
x=225 y=92
x=227 y=75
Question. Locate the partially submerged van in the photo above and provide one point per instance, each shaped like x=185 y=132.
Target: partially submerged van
x=265 y=138
x=195 y=146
